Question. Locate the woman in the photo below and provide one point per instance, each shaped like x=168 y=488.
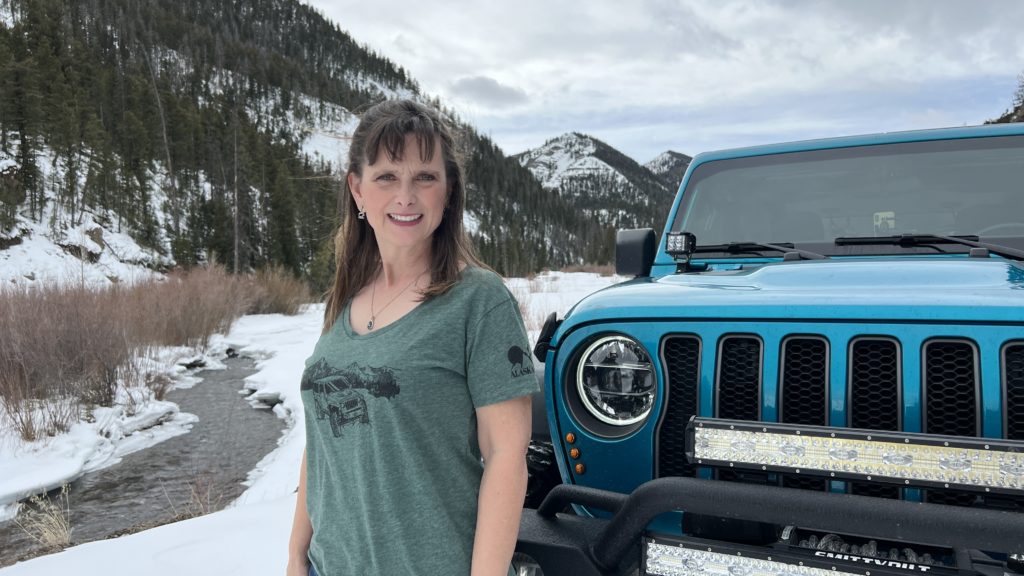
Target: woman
x=420 y=374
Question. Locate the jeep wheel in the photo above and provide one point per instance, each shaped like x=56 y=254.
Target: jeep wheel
x=543 y=473
x=336 y=421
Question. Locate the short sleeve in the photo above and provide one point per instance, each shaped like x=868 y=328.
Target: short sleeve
x=499 y=366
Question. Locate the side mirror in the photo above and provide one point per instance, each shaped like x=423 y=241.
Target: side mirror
x=634 y=252
x=540 y=350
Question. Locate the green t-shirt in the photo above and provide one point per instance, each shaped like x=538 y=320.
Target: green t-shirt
x=393 y=465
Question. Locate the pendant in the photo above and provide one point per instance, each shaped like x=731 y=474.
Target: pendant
x=369 y=325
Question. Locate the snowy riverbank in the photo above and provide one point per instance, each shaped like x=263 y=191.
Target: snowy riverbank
x=250 y=536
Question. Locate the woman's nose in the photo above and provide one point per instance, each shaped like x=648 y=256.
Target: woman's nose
x=406 y=193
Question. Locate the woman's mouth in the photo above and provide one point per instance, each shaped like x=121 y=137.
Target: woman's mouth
x=405 y=218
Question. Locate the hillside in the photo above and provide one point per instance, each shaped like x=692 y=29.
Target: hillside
x=609 y=188
x=1014 y=115
x=211 y=129
x=669 y=167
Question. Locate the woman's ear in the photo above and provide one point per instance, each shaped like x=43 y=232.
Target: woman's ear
x=354 y=182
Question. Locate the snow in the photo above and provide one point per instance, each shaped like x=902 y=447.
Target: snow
x=661 y=163
x=565 y=157
x=51 y=249
x=57 y=250
x=6 y=16
x=470 y=222
x=247 y=540
x=35 y=467
x=45 y=258
x=250 y=536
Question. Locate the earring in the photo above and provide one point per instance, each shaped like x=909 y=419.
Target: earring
x=361 y=215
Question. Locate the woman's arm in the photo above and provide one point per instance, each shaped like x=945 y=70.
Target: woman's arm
x=302 y=530
x=503 y=432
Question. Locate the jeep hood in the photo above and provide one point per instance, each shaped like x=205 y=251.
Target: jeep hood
x=898 y=289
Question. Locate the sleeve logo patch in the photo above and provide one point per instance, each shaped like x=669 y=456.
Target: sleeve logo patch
x=521 y=362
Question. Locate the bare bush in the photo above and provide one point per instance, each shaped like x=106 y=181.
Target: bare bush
x=206 y=496
x=599 y=269
x=65 y=347
x=61 y=347
x=47 y=520
x=276 y=291
x=187 y=308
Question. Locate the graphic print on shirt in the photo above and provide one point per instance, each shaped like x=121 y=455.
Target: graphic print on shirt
x=338 y=393
x=521 y=363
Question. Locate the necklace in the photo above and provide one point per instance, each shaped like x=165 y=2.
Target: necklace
x=373 y=294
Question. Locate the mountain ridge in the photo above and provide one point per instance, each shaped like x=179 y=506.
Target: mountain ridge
x=605 y=185
x=206 y=130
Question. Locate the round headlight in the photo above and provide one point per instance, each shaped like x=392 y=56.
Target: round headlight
x=615 y=380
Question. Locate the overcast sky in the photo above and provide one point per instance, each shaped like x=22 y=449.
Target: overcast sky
x=651 y=75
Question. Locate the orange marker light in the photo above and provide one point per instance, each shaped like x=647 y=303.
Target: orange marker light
x=570 y=437
x=575 y=453
x=580 y=468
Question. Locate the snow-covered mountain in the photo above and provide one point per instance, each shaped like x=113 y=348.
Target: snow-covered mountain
x=603 y=183
x=215 y=130
x=669 y=167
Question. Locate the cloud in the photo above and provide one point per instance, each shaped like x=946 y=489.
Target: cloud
x=696 y=75
x=487 y=92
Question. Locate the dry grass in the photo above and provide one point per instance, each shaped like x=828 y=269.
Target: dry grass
x=61 y=346
x=599 y=269
x=277 y=291
x=187 y=308
x=66 y=348
x=205 y=497
x=533 y=317
x=48 y=520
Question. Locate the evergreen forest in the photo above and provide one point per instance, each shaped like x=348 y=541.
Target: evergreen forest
x=174 y=121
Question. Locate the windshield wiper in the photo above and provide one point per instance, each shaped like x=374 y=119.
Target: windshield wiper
x=928 y=239
x=735 y=247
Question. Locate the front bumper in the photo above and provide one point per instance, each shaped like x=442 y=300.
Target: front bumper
x=567 y=544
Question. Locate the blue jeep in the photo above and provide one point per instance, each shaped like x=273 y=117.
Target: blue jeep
x=818 y=369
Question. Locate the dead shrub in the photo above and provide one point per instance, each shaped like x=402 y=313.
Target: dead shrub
x=276 y=291
x=65 y=347
x=205 y=496
x=47 y=520
x=159 y=384
x=187 y=308
x=599 y=269
x=61 y=347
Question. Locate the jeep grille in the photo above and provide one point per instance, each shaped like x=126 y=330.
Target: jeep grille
x=803 y=393
x=738 y=379
x=950 y=395
x=681 y=356
x=1013 y=377
x=874 y=396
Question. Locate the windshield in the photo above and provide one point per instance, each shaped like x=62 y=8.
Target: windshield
x=953 y=187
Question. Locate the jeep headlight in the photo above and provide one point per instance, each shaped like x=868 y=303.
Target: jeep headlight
x=615 y=380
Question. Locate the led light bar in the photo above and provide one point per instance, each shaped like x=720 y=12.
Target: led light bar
x=979 y=464
x=667 y=557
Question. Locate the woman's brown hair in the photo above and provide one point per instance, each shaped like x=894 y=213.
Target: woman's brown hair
x=383 y=129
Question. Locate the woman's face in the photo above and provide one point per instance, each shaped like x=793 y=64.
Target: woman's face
x=403 y=199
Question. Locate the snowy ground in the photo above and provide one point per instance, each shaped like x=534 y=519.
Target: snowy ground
x=249 y=537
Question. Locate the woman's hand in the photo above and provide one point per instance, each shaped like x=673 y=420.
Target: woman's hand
x=297 y=566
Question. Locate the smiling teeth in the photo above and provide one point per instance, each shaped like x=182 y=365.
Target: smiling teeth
x=405 y=218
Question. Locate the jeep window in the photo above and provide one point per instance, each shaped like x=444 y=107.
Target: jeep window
x=968 y=187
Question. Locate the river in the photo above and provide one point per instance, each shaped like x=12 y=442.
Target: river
x=202 y=469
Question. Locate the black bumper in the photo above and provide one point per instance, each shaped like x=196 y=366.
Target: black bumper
x=568 y=544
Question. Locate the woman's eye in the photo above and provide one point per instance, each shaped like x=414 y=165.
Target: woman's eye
x=426 y=177
x=386 y=177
